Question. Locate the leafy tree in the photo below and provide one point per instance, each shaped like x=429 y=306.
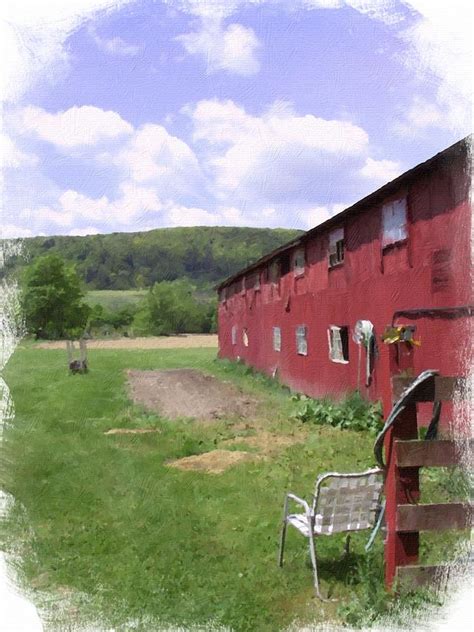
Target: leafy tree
x=171 y=308
x=52 y=299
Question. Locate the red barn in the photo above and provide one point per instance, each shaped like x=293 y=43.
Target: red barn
x=312 y=312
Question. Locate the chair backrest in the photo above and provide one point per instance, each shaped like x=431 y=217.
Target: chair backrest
x=347 y=502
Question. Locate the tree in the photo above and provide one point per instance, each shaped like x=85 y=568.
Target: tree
x=52 y=299
x=171 y=308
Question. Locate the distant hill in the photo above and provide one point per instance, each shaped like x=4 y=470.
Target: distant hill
x=123 y=261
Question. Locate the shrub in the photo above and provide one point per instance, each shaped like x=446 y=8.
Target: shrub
x=353 y=413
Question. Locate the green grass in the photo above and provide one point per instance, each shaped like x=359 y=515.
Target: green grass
x=114 y=300
x=103 y=520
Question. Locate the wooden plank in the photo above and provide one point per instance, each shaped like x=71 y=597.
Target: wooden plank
x=409 y=577
x=429 y=453
x=436 y=517
x=436 y=389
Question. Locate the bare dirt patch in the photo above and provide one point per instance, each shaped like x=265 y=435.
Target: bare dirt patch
x=122 y=431
x=189 y=393
x=214 y=462
x=185 y=341
x=267 y=443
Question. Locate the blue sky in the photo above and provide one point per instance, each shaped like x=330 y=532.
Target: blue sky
x=237 y=112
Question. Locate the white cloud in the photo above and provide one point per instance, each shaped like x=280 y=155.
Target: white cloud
x=276 y=153
x=153 y=155
x=190 y=216
x=32 y=38
x=133 y=204
x=116 y=45
x=11 y=155
x=380 y=171
x=11 y=231
x=318 y=214
x=84 y=125
x=231 y=49
x=440 y=49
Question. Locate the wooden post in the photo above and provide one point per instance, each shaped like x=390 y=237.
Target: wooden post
x=402 y=483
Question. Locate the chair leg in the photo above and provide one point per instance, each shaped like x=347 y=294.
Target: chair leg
x=282 y=543
x=312 y=552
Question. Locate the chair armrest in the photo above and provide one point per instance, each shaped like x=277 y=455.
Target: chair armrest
x=298 y=501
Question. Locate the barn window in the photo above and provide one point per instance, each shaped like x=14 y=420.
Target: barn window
x=394 y=222
x=285 y=264
x=298 y=262
x=245 y=337
x=302 y=340
x=336 y=247
x=252 y=281
x=234 y=334
x=338 y=339
x=276 y=339
x=274 y=272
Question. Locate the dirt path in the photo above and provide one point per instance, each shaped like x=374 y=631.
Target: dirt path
x=188 y=393
x=186 y=341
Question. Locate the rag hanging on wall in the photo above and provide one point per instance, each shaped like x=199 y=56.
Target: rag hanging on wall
x=364 y=336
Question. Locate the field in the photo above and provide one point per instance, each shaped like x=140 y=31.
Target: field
x=114 y=300
x=184 y=341
x=115 y=527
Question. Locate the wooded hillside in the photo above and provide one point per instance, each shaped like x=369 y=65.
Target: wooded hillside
x=122 y=261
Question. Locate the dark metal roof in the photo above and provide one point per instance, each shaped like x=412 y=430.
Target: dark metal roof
x=373 y=198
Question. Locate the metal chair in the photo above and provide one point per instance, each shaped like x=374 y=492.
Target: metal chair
x=342 y=503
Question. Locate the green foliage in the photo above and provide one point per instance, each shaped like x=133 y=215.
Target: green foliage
x=52 y=299
x=370 y=604
x=171 y=308
x=353 y=412
x=121 y=261
x=103 y=320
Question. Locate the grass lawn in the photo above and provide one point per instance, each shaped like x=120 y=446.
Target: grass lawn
x=103 y=526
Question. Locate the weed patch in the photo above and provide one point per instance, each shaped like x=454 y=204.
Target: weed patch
x=352 y=413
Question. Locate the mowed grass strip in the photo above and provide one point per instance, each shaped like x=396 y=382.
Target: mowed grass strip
x=103 y=518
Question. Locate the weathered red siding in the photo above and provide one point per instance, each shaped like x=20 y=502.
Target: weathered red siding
x=432 y=268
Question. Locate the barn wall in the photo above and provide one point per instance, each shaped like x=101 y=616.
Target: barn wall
x=431 y=269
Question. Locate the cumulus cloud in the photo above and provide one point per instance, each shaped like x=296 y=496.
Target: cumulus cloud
x=84 y=125
x=318 y=214
x=179 y=215
x=74 y=209
x=439 y=44
x=231 y=49
x=151 y=154
x=380 y=171
x=11 y=231
x=33 y=36
x=11 y=155
x=273 y=156
x=115 y=45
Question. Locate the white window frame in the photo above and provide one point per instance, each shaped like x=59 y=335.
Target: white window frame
x=245 y=336
x=302 y=340
x=233 y=335
x=336 y=350
x=299 y=262
x=276 y=338
x=394 y=222
x=334 y=252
